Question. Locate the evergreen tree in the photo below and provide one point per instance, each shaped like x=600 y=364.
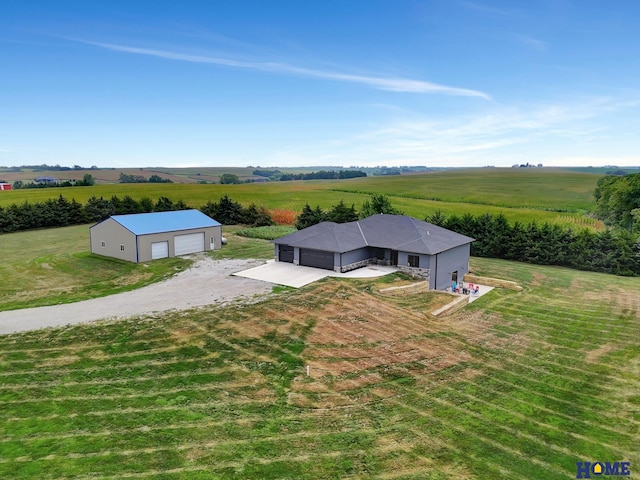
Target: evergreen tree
x=437 y=218
x=98 y=209
x=310 y=217
x=378 y=203
x=163 y=204
x=256 y=216
x=340 y=213
x=146 y=205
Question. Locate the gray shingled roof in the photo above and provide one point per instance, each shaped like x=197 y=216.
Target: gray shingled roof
x=396 y=232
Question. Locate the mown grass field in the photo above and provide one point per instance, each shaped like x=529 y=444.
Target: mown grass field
x=517 y=385
x=542 y=195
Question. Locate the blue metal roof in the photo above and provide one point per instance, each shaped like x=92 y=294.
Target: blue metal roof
x=160 y=222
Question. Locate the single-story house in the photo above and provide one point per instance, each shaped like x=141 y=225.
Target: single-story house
x=435 y=252
x=46 y=180
x=142 y=237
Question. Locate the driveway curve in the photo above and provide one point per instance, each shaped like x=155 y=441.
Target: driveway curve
x=207 y=282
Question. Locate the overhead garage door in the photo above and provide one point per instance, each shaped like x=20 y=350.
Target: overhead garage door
x=159 y=250
x=191 y=243
x=285 y=253
x=316 y=258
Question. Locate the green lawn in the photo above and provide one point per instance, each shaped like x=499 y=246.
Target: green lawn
x=46 y=267
x=517 y=385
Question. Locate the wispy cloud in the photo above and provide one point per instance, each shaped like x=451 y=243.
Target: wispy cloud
x=531 y=42
x=491 y=10
x=502 y=137
x=395 y=84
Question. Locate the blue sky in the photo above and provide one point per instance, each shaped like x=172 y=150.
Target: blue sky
x=332 y=82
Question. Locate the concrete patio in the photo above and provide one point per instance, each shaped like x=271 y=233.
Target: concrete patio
x=283 y=273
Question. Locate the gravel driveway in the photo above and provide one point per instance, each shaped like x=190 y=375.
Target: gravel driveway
x=208 y=281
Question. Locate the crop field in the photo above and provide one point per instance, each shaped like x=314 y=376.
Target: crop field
x=516 y=385
x=525 y=195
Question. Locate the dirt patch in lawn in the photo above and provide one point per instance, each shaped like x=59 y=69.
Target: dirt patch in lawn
x=363 y=341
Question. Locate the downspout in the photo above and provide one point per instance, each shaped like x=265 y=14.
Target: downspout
x=436 y=269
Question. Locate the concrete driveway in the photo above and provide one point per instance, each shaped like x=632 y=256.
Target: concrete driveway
x=283 y=273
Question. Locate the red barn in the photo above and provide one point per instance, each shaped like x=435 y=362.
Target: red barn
x=5 y=186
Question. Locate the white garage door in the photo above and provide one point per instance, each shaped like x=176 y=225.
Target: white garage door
x=159 y=250
x=192 y=243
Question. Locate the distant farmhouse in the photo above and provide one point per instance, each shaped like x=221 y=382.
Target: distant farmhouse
x=46 y=180
x=399 y=240
x=5 y=186
x=148 y=236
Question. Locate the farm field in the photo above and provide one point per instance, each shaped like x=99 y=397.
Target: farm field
x=525 y=195
x=517 y=385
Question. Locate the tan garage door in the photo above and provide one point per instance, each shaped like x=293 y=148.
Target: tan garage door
x=191 y=243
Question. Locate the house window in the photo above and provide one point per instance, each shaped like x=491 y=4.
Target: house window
x=103 y=244
x=414 y=261
x=122 y=247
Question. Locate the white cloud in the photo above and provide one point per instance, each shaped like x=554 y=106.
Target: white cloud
x=555 y=134
x=394 y=84
x=531 y=42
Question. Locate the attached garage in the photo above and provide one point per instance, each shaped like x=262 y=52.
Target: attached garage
x=316 y=258
x=159 y=250
x=285 y=253
x=150 y=236
x=191 y=243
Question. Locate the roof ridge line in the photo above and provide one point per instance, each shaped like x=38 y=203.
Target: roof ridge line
x=366 y=242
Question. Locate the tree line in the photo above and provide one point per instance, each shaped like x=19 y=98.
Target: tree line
x=62 y=212
x=87 y=181
x=618 y=201
x=126 y=178
x=323 y=175
x=609 y=251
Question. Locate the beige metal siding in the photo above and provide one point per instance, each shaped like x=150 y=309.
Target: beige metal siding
x=139 y=249
x=145 y=241
x=113 y=235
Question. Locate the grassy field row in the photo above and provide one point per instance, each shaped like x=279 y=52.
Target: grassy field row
x=517 y=385
x=525 y=195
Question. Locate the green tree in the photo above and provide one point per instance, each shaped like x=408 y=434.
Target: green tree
x=225 y=211
x=340 y=213
x=87 y=180
x=437 y=218
x=378 y=203
x=163 y=204
x=256 y=216
x=310 y=217
x=616 y=198
x=229 y=178
x=146 y=205
x=97 y=209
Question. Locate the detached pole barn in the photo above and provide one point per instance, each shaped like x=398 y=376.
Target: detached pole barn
x=5 y=186
x=143 y=237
